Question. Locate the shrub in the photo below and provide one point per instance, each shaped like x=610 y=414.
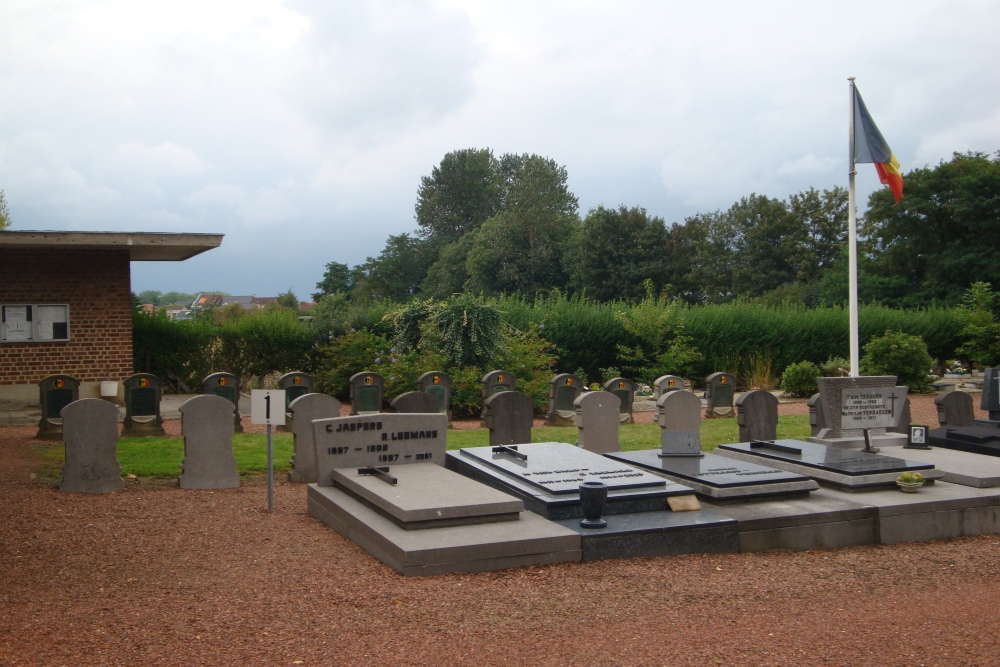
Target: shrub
x=800 y=379
x=835 y=367
x=900 y=354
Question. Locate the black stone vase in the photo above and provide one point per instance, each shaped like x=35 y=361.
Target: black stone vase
x=593 y=498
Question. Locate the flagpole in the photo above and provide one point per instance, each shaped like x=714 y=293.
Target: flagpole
x=852 y=244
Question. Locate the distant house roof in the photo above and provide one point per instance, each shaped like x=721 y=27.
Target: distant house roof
x=142 y=246
x=207 y=301
x=264 y=300
x=244 y=301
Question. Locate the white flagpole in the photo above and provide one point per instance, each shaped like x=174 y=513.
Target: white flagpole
x=852 y=245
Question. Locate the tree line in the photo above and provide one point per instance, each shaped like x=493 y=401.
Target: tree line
x=510 y=225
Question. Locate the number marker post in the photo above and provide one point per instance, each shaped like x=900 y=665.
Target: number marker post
x=267 y=406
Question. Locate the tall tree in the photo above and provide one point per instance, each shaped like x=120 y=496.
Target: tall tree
x=396 y=273
x=768 y=245
x=336 y=278
x=4 y=212
x=461 y=193
x=825 y=217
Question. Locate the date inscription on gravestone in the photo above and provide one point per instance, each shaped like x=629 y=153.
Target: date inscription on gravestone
x=872 y=407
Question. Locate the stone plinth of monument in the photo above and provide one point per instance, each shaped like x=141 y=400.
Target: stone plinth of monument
x=854 y=405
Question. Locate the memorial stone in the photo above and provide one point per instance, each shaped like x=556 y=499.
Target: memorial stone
x=903 y=424
x=625 y=391
x=295 y=384
x=563 y=390
x=852 y=405
x=207 y=427
x=143 y=393
x=367 y=390
x=90 y=431
x=679 y=416
x=493 y=383
x=509 y=417
x=757 y=415
x=416 y=401
x=954 y=408
x=720 y=389
x=227 y=386
x=817 y=415
x=306 y=409
x=55 y=392
x=597 y=420
x=438 y=385
x=666 y=383
x=991 y=396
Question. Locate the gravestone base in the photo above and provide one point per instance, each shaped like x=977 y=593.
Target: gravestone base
x=662 y=533
x=841 y=468
x=977 y=439
x=133 y=428
x=530 y=540
x=858 y=442
x=561 y=418
x=49 y=429
x=719 y=477
x=965 y=468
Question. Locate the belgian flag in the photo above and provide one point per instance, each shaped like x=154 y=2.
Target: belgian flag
x=870 y=146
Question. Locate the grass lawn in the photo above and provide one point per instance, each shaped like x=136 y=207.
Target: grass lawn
x=161 y=457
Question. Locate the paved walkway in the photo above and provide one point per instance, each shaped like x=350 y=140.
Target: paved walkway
x=170 y=407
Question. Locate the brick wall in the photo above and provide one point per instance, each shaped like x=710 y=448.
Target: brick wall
x=97 y=286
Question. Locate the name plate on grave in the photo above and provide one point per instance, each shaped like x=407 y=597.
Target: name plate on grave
x=384 y=439
x=559 y=468
x=872 y=407
x=143 y=402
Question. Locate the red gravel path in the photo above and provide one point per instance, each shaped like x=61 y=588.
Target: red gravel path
x=155 y=575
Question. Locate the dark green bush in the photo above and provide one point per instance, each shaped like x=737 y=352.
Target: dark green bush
x=900 y=354
x=800 y=379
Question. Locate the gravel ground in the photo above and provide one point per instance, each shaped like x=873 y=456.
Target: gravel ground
x=155 y=575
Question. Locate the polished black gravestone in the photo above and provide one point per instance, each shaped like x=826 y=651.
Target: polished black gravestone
x=719 y=477
x=625 y=391
x=367 y=392
x=974 y=439
x=227 y=386
x=295 y=384
x=143 y=393
x=438 y=385
x=55 y=392
x=547 y=477
x=845 y=468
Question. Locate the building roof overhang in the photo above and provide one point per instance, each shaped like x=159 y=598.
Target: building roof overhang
x=142 y=246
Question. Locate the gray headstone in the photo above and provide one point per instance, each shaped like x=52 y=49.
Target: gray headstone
x=437 y=384
x=509 y=416
x=143 y=393
x=757 y=415
x=720 y=390
x=991 y=393
x=367 y=391
x=384 y=439
x=55 y=392
x=493 y=383
x=598 y=414
x=666 y=383
x=679 y=416
x=817 y=415
x=227 y=386
x=207 y=426
x=954 y=408
x=563 y=390
x=295 y=384
x=415 y=401
x=90 y=431
x=304 y=410
x=844 y=404
x=625 y=391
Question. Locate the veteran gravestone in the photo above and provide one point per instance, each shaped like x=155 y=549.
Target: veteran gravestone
x=305 y=410
x=509 y=417
x=143 y=393
x=991 y=398
x=415 y=401
x=227 y=386
x=854 y=406
x=207 y=427
x=295 y=384
x=757 y=415
x=678 y=414
x=367 y=390
x=438 y=385
x=666 y=383
x=597 y=420
x=625 y=391
x=563 y=390
x=90 y=431
x=955 y=408
x=720 y=389
x=55 y=392
x=493 y=383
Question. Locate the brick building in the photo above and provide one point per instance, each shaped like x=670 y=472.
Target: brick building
x=65 y=304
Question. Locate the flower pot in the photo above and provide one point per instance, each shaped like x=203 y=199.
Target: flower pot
x=909 y=487
x=593 y=498
x=109 y=388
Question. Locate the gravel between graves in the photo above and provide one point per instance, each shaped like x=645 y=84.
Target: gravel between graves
x=158 y=576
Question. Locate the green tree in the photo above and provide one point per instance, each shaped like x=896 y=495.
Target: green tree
x=900 y=354
x=336 y=278
x=4 y=212
x=150 y=296
x=767 y=243
x=942 y=237
x=980 y=333
x=288 y=300
x=615 y=251
x=824 y=215
x=396 y=273
x=461 y=193
x=449 y=274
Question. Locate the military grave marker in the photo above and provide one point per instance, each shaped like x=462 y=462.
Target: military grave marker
x=55 y=392
x=367 y=391
x=90 y=431
x=143 y=393
x=625 y=391
x=227 y=386
x=563 y=390
x=207 y=427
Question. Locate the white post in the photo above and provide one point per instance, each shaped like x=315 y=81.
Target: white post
x=852 y=246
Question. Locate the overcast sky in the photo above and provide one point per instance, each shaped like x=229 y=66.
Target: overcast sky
x=301 y=129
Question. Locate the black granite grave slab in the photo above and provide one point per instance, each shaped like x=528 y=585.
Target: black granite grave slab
x=974 y=439
x=554 y=472
x=719 y=477
x=834 y=465
x=663 y=533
